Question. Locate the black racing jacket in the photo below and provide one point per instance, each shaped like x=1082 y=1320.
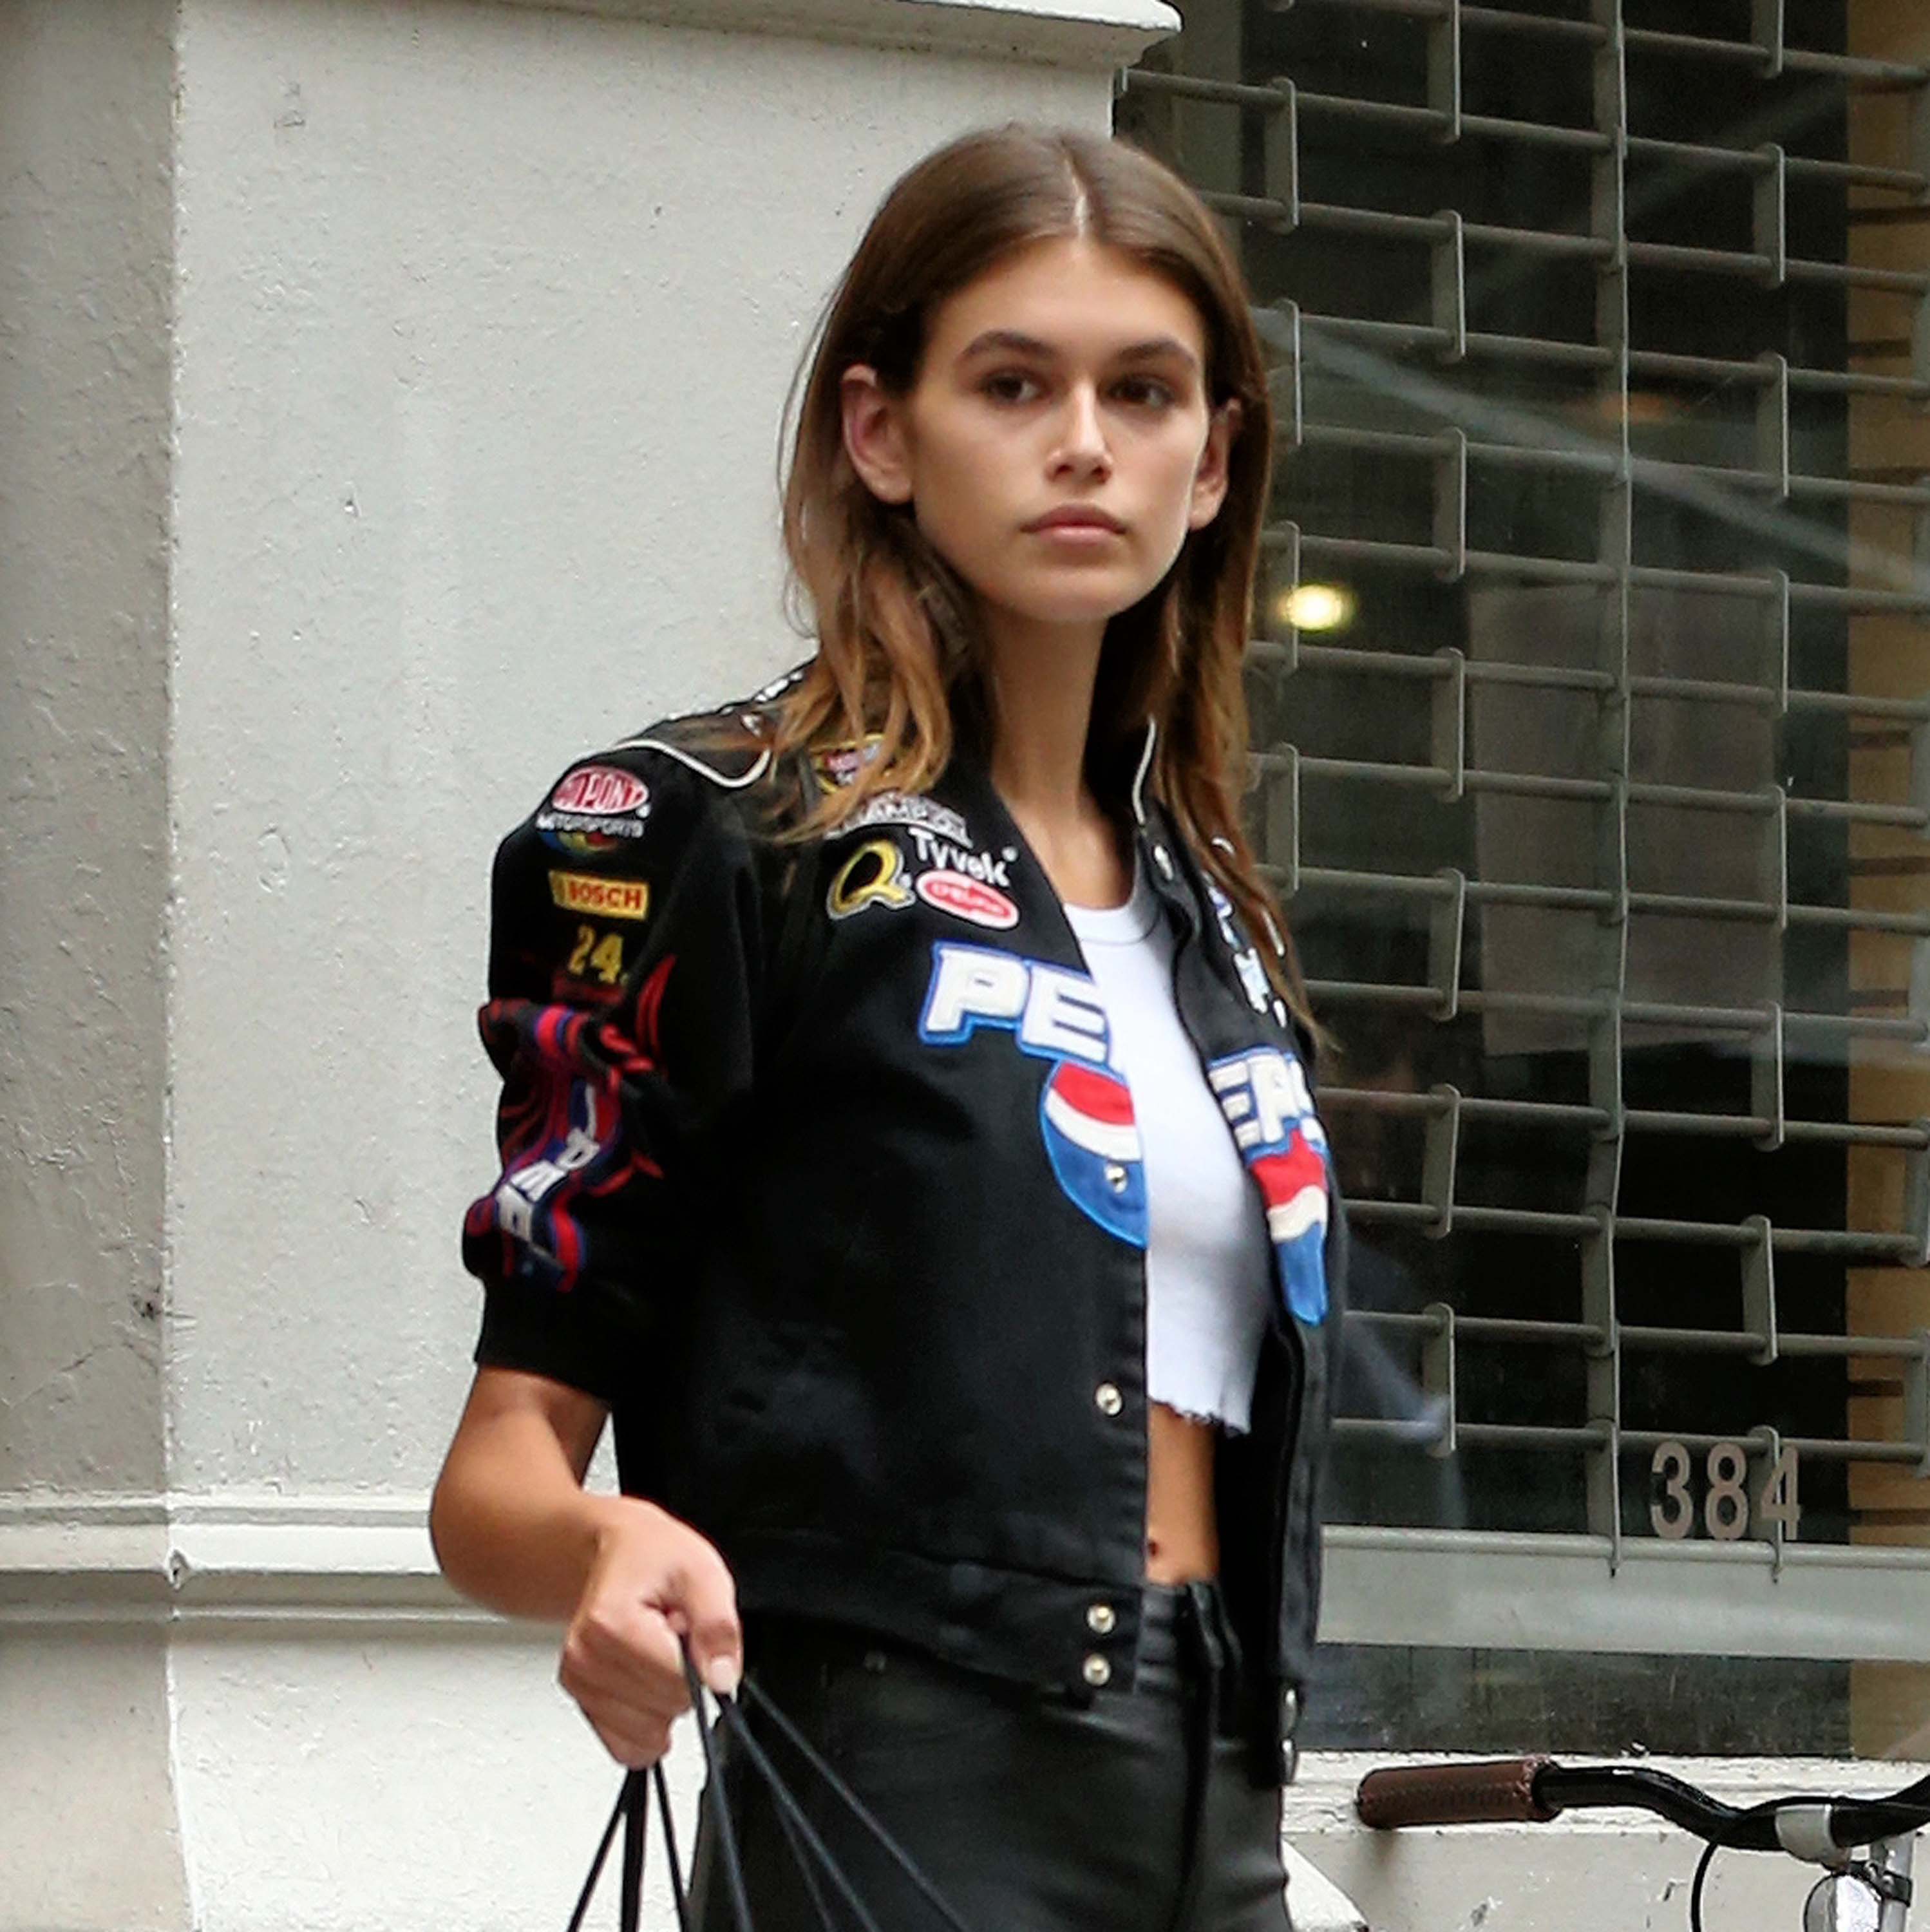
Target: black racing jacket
x=817 y=1170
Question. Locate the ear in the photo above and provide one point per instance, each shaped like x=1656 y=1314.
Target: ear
x=1211 y=477
x=875 y=437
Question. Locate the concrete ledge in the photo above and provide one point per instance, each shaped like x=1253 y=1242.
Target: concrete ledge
x=1055 y=33
x=361 y=1558
x=280 y=1560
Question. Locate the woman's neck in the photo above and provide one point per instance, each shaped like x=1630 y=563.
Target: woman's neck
x=1041 y=681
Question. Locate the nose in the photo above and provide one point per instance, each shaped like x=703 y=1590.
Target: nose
x=1082 y=444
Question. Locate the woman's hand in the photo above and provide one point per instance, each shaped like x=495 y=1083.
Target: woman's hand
x=513 y=1528
x=653 y=1580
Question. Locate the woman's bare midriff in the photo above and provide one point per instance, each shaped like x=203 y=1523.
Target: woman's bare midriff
x=1093 y=867
x=1182 y=1527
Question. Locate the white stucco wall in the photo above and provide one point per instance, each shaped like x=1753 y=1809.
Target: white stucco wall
x=486 y=320
x=84 y=210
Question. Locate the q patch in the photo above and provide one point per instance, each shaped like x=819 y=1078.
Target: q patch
x=873 y=875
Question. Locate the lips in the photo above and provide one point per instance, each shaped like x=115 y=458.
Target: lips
x=1080 y=517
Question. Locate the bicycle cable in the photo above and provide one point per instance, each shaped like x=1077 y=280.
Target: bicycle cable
x=1709 y=1849
x=1768 y=1808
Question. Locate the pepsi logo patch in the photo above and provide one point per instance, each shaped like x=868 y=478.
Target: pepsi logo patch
x=1264 y=1096
x=1085 y=1110
x=1092 y=1141
x=967 y=898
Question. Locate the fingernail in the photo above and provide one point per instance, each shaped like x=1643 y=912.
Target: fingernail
x=722 y=1676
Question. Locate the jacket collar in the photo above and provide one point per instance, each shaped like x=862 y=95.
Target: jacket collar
x=1178 y=875
x=1145 y=766
x=1168 y=867
x=1162 y=853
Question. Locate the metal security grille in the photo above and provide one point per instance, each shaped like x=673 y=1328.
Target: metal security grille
x=1602 y=351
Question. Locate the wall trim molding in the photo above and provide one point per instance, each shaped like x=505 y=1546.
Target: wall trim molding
x=267 y=1555
x=148 y=1559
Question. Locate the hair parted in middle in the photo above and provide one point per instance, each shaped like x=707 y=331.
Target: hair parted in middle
x=899 y=647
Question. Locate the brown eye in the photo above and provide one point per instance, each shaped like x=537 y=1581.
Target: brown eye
x=1002 y=386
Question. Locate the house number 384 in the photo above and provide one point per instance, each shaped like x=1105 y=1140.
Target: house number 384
x=1726 y=1513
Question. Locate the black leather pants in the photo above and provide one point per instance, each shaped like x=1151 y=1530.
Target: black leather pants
x=1029 y=1812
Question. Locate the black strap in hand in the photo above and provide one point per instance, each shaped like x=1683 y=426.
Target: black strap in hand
x=632 y=1809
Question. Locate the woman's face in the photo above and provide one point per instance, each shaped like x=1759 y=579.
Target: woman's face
x=1067 y=376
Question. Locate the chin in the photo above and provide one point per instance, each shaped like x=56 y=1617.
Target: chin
x=1090 y=602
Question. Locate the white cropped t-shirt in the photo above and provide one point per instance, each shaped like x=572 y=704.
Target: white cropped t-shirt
x=1208 y=1268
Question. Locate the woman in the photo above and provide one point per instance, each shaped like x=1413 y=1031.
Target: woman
x=905 y=1136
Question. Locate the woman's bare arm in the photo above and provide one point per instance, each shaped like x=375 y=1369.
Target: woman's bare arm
x=513 y=1528
x=511 y=1524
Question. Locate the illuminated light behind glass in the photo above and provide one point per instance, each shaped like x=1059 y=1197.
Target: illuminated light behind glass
x=1319 y=607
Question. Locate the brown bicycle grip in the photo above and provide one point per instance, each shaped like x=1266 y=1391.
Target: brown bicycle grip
x=1500 y=1791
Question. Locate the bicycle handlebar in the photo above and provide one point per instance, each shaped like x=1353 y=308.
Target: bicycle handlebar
x=1500 y=1791
x=1531 y=1790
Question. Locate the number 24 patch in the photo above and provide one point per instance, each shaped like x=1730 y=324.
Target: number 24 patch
x=596 y=956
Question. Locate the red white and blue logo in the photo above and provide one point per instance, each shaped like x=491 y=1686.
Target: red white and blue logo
x=1093 y=1143
x=533 y=1206
x=1086 y=1116
x=1085 y=1112
x=1264 y=1095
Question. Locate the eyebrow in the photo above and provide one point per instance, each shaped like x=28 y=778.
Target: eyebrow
x=1013 y=342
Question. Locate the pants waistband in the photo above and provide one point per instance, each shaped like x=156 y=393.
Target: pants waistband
x=1185 y=1633
x=1172 y=1615
x=1186 y=1636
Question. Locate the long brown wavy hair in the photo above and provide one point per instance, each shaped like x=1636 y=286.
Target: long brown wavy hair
x=899 y=645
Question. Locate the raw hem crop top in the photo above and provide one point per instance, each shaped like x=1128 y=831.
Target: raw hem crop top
x=1207 y=1278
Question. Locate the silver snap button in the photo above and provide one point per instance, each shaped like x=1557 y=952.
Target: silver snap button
x=1096 y=1670
x=1110 y=1401
x=1116 y=1177
x=1290 y=1762
x=1289 y=1711
x=1099 y=1619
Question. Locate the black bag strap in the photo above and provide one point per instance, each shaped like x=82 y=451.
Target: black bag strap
x=636 y=1824
x=845 y=1796
x=807 y=1846
x=602 y=1852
